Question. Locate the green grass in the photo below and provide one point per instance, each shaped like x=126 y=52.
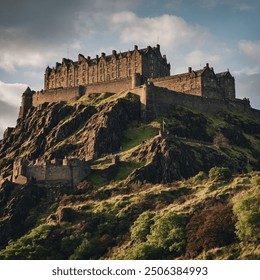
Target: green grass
x=136 y=133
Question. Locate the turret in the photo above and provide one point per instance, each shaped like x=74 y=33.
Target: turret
x=26 y=103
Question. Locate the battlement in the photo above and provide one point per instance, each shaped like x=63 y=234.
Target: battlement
x=67 y=171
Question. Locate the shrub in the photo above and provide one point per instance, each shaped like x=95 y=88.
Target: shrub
x=247 y=209
x=220 y=141
x=141 y=251
x=200 y=177
x=168 y=233
x=220 y=173
x=141 y=227
x=212 y=227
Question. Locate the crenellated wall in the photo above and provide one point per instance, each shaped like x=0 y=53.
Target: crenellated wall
x=67 y=171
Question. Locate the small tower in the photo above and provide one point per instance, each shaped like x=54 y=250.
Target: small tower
x=26 y=103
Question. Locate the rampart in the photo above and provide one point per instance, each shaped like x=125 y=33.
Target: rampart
x=157 y=101
x=69 y=171
x=57 y=95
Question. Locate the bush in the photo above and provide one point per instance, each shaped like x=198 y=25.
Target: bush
x=220 y=173
x=200 y=177
x=141 y=251
x=247 y=209
x=141 y=227
x=212 y=227
x=168 y=233
x=220 y=141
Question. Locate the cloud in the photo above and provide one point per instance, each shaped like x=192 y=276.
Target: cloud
x=171 y=31
x=199 y=57
x=249 y=86
x=10 y=100
x=34 y=33
x=250 y=48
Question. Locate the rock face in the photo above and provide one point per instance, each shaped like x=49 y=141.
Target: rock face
x=59 y=129
x=168 y=159
x=15 y=205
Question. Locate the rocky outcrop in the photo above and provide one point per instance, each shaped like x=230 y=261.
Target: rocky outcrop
x=15 y=205
x=59 y=129
x=168 y=159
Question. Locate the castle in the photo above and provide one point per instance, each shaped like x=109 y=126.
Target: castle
x=69 y=171
x=144 y=72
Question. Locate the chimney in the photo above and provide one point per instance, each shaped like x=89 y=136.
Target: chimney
x=88 y=58
x=103 y=54
x=207 y=65
x=158 y=47
x=135 y=47
x=114 y=52
x=190 y=69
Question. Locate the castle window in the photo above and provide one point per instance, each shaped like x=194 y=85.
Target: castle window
x=119 y=73
x=101 y=78
x=84 y=67
x=84 y=80
x=108 y=77
x=83 y=73
x=62 y=79
x=70 y=77
x=113 y=75
x=151 y=55
x=129 y=72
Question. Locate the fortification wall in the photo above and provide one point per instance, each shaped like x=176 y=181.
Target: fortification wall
x=160 y=100
x=57 y=95
x=68 y=171
x=110 y=86
x=180 y=83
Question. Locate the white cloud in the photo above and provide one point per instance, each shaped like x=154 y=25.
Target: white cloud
x=10 y=100
x=199 y=57
x=250 y=48
x=171 y=31
x=12 y=93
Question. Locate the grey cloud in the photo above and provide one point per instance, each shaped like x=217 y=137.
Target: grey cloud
x=8 y=116
x=249 y=86
x=53 y=19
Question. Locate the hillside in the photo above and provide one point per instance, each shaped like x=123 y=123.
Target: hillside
x=191 y=191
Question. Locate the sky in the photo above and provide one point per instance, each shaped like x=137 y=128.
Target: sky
x=35 y=34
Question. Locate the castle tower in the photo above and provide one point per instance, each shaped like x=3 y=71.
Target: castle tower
x=26 y=103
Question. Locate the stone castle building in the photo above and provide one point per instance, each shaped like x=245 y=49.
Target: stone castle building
x=144 y=72
x=69 y=171
x=147 y=62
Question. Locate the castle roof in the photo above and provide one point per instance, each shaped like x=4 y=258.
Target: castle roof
x=223 y=74
x=27 y=92
x=93 y=61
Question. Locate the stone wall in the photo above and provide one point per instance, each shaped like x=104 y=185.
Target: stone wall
x=68 y=171
x=157 y=101
x=57 y=95
x=111 y=86
x=180 y=83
